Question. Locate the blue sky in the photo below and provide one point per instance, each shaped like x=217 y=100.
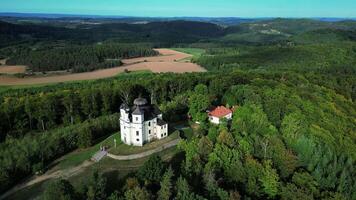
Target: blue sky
x=172 y=8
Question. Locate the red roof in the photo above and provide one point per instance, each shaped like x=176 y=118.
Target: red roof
x=220 y=111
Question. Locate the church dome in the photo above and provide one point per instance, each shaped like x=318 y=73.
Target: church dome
x=140 y=102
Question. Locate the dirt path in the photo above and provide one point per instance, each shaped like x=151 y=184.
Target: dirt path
x=48 y=175
x=167 y=61
x=78 y=169
x=146 y=153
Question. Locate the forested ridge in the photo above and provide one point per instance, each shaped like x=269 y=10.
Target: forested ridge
x=292 y=135
x=287 y=130
x=79 y=58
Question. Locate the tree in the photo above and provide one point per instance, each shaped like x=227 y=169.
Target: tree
x=137 y=193
x=71 y=104
x=205 y=147
x=166 y=185
x=199 y=103
x=213 y=133
x=183 y=190
x=269 y=179
x=96 y=187
x=201 y=89
x=226 y=138
x=151 y=170
x=85 y=137
x=114 y=196
x=59 y=190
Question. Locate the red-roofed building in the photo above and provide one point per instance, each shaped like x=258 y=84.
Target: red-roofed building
x=218 y=113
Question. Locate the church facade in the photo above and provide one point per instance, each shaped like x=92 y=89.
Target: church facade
x=141 y=123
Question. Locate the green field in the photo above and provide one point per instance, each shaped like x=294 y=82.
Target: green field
x=195 y=52
x=77 y=157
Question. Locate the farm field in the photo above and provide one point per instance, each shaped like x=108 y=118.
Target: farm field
x=18 y=69
x=166 y=62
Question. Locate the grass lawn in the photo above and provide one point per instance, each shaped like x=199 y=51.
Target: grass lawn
x=195 y=52
x=114 y=171
x=123 y=149
x=77 y=157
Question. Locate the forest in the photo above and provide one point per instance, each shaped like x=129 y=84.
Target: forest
x=292 y=135
x=78 y=58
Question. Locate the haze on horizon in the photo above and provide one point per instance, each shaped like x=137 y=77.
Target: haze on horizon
x=196 y=8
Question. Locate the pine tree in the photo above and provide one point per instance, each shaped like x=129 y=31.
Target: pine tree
x=166 y=185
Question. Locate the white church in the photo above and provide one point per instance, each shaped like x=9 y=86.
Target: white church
x=141 y=123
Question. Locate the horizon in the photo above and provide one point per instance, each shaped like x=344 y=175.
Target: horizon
x=65 y=15
x=185 y=8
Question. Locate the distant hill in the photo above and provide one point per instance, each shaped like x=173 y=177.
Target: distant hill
x=163 y=32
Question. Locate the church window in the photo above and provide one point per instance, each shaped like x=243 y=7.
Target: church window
x=137 y=133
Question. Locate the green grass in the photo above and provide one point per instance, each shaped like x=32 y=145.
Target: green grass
x=123 y=149
x=188 y=133
x=31 y=192
x=195 y=52
x=77 y=157
x=113 y=170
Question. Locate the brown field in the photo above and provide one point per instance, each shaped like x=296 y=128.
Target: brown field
x=5 y=69
x=165 y=62
x=18 y=69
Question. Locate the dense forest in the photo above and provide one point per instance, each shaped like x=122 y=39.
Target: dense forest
x=292 y=135
x=287 y=130
x=78 y=58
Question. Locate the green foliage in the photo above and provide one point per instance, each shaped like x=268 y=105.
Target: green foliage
x=59 y=190
x=269 y=180
x=79 y=58
x=137 y=193
x=152 y=170
x=21 y=156
x=165 y=191
x=294 y=88
x=199 y=103
x=95 y=188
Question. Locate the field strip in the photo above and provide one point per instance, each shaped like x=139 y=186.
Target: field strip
x=166 y=62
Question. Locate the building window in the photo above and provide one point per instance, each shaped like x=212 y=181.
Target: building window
x=136 y=118
x=149 y=131
x=161 y=135
x=149 y=123
x=137 y=140
x=137 y=133
x=161 y=127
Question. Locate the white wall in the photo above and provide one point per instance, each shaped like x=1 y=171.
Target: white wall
x=216 y=120
x=162 y=131
x=129 y=130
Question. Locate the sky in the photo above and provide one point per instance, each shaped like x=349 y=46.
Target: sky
x=191 y=8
